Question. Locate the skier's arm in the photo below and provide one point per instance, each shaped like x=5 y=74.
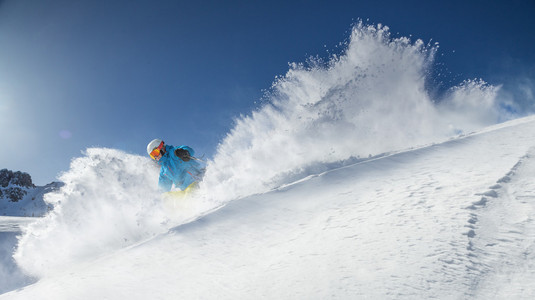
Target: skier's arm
x=189 y=149
x=184 y=152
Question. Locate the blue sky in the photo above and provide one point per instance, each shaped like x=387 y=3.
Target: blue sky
x=79 y=74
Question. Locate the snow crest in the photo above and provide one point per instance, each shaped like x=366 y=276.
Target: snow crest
x=370 y=99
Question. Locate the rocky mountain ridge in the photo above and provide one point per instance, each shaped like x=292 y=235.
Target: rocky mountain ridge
x=20 y=197
x=14 y=185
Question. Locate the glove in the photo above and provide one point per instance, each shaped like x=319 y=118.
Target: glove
x=183 y=154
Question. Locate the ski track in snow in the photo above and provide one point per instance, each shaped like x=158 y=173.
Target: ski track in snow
x=503 y=235
x=449 y=221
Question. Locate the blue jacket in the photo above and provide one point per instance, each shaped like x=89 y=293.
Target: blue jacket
x=176 y=171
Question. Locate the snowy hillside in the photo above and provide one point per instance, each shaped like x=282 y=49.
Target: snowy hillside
x=452 y=220
x=20 y=197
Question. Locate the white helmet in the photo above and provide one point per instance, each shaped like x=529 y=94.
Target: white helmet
x=153 y=145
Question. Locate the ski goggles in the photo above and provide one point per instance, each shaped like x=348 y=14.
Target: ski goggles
x=156 y=152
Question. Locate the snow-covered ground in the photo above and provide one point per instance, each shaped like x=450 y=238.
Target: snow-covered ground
x=13 y=224
x=11 y=277
x=452 y=220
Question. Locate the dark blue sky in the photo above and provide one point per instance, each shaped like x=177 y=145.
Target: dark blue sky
x=77 y=74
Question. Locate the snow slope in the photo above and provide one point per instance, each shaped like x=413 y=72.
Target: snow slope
x=451 y=220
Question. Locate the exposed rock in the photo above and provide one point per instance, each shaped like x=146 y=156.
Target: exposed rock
x=15 y=194
x=16 y=178
x=5 y=177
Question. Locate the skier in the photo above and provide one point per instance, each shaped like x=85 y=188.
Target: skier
x=178 y=166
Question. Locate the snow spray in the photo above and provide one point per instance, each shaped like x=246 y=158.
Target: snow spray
x=370 y=99
x=109 y=201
